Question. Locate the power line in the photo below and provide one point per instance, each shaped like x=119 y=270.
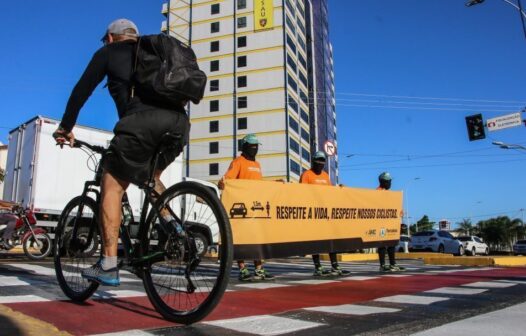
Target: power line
x=433 y=165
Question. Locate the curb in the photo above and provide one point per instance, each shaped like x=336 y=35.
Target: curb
x=374 y=256
x=16 y=323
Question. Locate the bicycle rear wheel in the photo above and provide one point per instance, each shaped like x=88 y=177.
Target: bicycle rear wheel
x=73 y=254
x=181 y=287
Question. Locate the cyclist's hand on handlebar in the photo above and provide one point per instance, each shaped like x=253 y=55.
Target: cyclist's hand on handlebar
x=62 y=136
x=16 y=208
x=221 y=183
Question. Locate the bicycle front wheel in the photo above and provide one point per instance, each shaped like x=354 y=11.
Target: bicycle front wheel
x=73 y=253
x=183 y=285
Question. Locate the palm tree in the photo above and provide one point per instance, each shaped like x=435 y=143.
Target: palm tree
x=465 y=227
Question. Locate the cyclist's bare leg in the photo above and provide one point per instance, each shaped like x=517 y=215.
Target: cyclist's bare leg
x=160 y=188
x=112 y=190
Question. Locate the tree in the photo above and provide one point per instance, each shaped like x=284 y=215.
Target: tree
x=465 y=227
x=424 y=224
x=2 y=175
x=501 y=233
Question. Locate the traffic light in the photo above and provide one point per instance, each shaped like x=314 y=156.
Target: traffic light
x=475 y=126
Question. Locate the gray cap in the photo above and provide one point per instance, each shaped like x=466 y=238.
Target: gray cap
x=119 y=26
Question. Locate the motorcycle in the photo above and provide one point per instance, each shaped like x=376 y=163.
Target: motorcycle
x=34 y=240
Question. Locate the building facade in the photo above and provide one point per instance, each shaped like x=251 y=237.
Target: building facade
x=259 y=56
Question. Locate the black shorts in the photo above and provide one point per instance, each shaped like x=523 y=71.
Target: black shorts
x=136 y=139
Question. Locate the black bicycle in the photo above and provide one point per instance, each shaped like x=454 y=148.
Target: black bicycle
x=182 y=283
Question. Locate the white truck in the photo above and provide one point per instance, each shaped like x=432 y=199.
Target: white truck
x=42 y=176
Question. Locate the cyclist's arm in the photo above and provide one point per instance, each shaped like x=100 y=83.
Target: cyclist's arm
x=92 y=76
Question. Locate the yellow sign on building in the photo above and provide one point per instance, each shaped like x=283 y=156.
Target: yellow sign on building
x=263 y=14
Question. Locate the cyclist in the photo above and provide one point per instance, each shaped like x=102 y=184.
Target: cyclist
x=137 y=133
x=385 y=184
x=8 y=219
x=246 y=167
x=316 y=175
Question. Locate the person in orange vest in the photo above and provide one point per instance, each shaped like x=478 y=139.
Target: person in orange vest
x=316 y=175
x=385 y=184
x=245 y=167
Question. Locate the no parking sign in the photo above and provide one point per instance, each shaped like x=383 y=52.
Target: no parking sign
x=330 y=148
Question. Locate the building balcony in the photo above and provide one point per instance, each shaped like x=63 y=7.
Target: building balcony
x=164 y=26
x=165 y=9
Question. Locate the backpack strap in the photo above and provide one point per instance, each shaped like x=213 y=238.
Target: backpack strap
x=132 y=91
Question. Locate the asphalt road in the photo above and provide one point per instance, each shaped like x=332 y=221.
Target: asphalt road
x=424 y=300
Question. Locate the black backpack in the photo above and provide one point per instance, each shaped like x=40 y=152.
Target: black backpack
x=166 y=71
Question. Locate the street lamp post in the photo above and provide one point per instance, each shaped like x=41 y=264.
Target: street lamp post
x=508 y=146
x=406 y=194
x=517 y=7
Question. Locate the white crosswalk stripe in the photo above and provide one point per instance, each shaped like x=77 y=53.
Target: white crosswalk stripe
x=312 y=282
x=457 y=290
x=266 y=325
x=352 y=309
x=22 y=298
x=261 y=285
x=359 y=278
x=489 y=284
x=412 y=299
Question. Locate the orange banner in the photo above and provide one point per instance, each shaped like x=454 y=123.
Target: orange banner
x=273 y=219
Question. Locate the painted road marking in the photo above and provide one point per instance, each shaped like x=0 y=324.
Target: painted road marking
x=40 y=270
x=396 y=275
x=262 y=285
x=508 y=321
x=412 y=299
x=264 y=325
x=457 y=290
x=518 y=282
x=359 y=278
x=351 y=309
x=489 y=284
x=313 y=282
x=22 y=298
x=111 y=294
x=135 y=332
x=17 y=281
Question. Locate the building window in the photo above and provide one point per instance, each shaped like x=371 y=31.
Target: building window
x=242 y=123
x=242 y=22
x=242 y=82
x=302 y=61
x=305 y=135
x=304 y=98
x=242 y=102
x=241 y=61
x=214 y=65
x=214 y=27
x=291 y=44
x=305 y=154
x=214 y=9
x=214 y=147
x=304 y=116
x=292 y=83
x=293 y=103
x=293 y=124
x=291 y=63
x=241 y=4
x=241 y=41
x=294 y=167
x=213 y=169
x=214 y=105
x=294 y=145
x=214 y=126
x=214 y=46
x=214 y=85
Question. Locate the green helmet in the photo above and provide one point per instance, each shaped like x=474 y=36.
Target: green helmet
x=385 y=176
x=319 y=155
x=250 y=139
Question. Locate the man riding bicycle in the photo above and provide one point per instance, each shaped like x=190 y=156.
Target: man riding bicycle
x=137 y=133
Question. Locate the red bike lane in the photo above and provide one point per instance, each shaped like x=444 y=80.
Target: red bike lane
x=113 y=315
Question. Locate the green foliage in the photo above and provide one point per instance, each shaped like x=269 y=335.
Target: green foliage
x=2 y=175
x=501 y=233
x=424 y=224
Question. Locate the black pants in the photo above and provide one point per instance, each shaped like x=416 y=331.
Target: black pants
x=333 y=256
x=390 y=252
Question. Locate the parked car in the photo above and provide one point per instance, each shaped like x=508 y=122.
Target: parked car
x=404 y=241
x=519 y=247
x=436 y=241
x=474 y=245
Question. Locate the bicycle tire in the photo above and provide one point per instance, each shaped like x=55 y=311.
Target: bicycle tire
x=174 y=303
x=71 y=282
x=43 y=252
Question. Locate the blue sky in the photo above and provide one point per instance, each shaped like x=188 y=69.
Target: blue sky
x=407 y=73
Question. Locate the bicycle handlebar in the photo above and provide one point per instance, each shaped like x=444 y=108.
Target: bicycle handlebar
x=95 y=148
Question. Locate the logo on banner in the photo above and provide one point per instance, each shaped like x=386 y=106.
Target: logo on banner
x=382 y=232
x=263 y=14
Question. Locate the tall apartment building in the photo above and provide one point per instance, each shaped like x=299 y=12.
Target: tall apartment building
x=266 y=68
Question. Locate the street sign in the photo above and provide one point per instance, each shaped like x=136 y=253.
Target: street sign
x=505 y=121
x=330 y=148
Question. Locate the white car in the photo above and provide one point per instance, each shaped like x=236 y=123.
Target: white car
x=473 y=245
x=436 y=241
x=519 y=247
x=404 y=244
